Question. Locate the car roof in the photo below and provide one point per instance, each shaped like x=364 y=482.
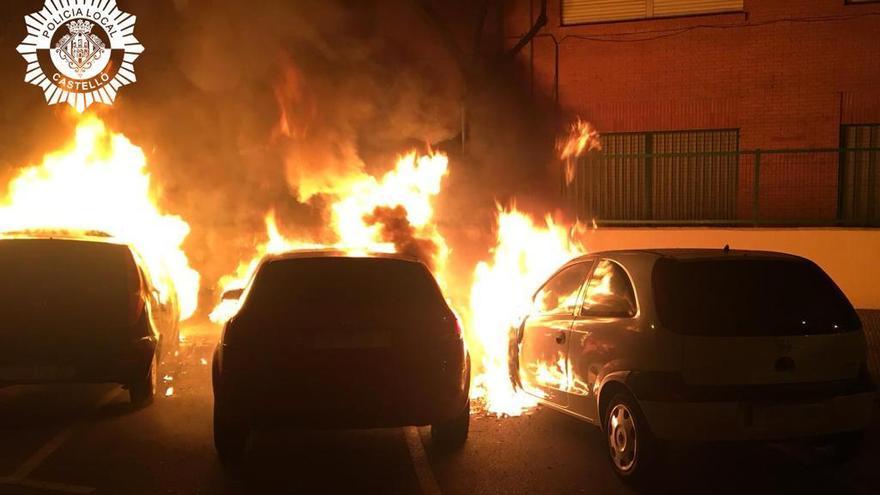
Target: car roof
x=338 y=253
x=62 y=235
x=683 y=254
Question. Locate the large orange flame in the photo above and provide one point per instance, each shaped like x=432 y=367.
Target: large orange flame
x=100 y=182
x=406 y=191
x=526 y=254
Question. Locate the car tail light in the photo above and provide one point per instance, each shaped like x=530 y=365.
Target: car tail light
x=864 y=379
x=135 y=303
x=235 y=331
x=455 y=325
x=228 y=335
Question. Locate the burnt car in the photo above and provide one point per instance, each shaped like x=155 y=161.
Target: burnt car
x=696 y=345
x=82 y=307
x=325 y=339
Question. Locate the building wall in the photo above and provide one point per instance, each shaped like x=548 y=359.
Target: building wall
x=783 y=83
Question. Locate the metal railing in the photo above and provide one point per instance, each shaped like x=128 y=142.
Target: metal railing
x=784 y=187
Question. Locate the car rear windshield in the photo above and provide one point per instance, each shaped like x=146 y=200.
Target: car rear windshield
x=749 y=297
x=63 y=280
x=350 y=286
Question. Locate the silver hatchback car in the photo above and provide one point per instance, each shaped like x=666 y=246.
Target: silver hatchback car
x=699 y=345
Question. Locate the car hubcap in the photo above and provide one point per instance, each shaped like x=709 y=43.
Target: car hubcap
x=622 y=437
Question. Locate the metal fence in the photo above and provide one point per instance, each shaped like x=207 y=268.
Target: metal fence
x=798 y=187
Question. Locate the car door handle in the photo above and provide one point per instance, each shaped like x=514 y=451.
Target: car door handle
x=560 y=338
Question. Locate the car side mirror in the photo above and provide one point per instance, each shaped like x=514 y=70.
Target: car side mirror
x=232 y=295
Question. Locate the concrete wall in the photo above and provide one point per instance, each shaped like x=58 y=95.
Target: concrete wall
x=850 y=256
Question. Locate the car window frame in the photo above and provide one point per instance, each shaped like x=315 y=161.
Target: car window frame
x=590 y=262
x=636 y=307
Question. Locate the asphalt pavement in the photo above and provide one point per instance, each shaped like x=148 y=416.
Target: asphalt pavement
x=87 y=439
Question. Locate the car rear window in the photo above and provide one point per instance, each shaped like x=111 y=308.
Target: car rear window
x=63 y=280
x=749 y=297
x=350 y=286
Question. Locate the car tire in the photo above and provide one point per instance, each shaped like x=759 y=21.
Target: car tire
x=451 y=435
x=632 y=449
x=231 y=435
x=142 y=391
x=513 y=358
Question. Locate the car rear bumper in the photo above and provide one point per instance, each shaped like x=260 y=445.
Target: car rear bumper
x=743 y=421
x=356 y=415
x=350 y=412
x=122 y=365
x=303 y=397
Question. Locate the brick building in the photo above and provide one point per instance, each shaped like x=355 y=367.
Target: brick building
x=684 y=92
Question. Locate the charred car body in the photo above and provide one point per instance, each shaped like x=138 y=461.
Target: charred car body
x=82 y=307
x=327 y=340
x=696 y=345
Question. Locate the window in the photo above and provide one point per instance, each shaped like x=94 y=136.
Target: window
x=583 y=11
x=859 y=174
x=359 y=287
x=609 y=292
x=749 y=297
x=631 y=180
x=560 y=294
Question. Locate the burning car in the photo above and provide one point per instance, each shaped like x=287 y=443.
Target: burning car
x=329 y=339
x=696 y=345
x=79 y=306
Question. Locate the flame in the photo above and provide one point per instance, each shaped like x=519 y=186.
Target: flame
x=582 y=137
x=358 y=221
x=525 y=255
x=394 y=213
x=100 y=182
x=599 y=285
x=551 y=375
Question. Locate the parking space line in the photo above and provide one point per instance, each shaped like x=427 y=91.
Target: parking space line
x=38 y=457
x=427 y=482
x=32 y=463
x=54 y=487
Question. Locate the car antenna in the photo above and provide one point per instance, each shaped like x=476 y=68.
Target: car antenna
x=726 y=248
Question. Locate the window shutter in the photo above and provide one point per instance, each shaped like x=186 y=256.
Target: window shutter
x=579 y=11
x=583 y=11
x=685 y=7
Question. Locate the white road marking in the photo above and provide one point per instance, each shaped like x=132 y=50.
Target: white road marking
x=420 y=462
x=32 y=463
x=38 y=457
x=54 y=487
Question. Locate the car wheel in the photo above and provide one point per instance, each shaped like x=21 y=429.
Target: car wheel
x=141 y=392
x=631 y=446
x=230 y=435
x=451 y=435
